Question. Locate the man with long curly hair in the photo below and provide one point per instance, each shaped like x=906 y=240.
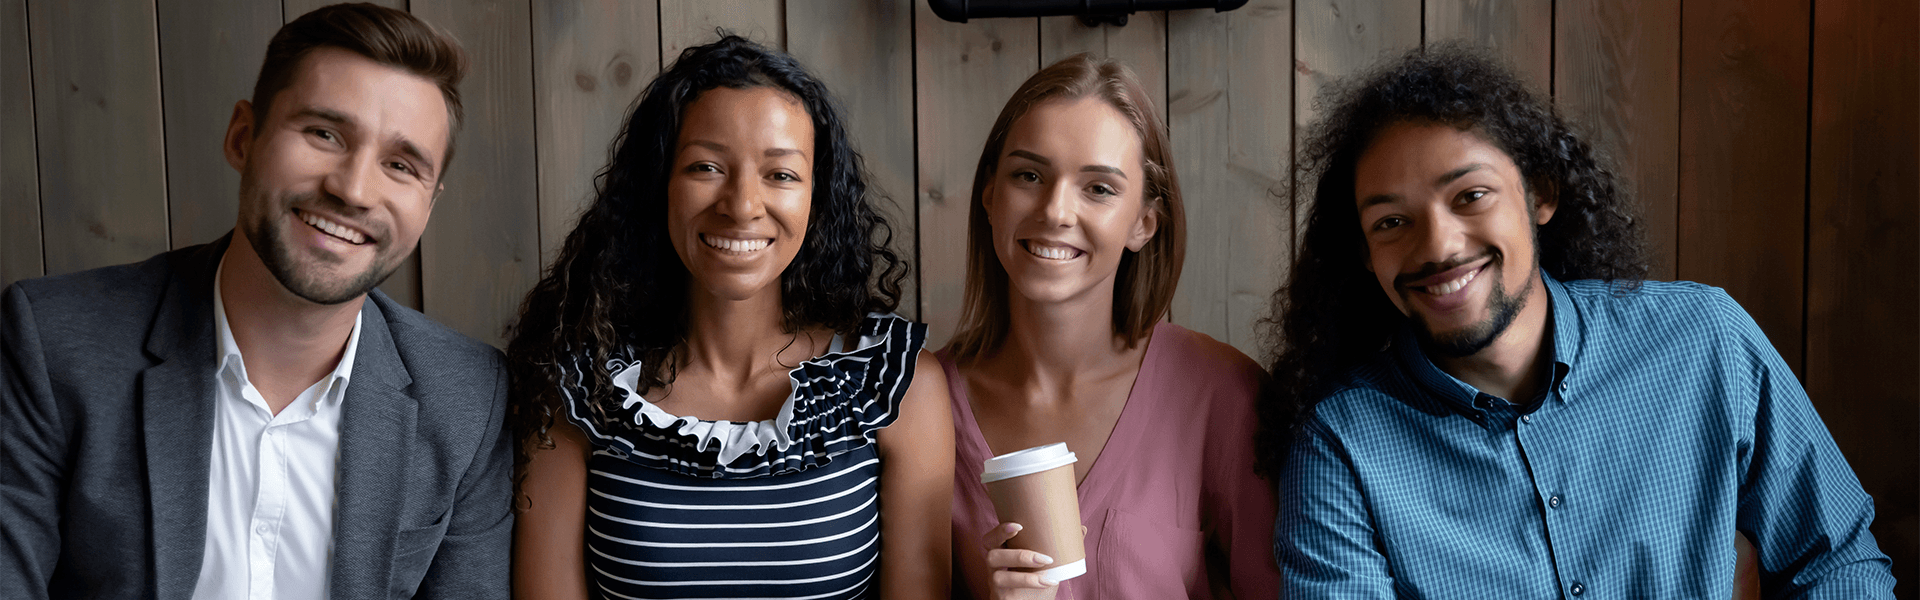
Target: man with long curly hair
x=1477 y=395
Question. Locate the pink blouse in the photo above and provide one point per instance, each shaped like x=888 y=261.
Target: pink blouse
x=1175 y=478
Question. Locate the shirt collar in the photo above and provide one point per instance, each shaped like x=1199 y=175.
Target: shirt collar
x=1462 y=396
x=228 y=353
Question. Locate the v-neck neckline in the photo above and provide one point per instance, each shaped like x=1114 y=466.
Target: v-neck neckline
x=1124 y=424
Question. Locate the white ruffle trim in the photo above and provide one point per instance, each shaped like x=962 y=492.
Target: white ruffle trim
x=733 y=439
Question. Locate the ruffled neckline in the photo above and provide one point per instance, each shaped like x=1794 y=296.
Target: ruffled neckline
x=839 y=401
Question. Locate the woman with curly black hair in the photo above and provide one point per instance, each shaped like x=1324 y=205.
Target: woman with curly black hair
x=1476 y=394
x=709 y=396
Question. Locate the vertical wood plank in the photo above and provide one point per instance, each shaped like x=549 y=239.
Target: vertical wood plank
x=294 y=8
x=20 y=256
x=1141 y=43
x=1864 y=176
x=1337 y=38
x=102 y=161
x=685 y=23
x=1519 y=31
x=1231 y=93
x=1742 y=202
x=591 y=59
x=481 y=251
x=863 y=50
x=1617 y=72
x=210 y=54
x=964 y=74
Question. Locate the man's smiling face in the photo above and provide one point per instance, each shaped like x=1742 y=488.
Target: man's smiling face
x=338 y=181
x=1449 y=228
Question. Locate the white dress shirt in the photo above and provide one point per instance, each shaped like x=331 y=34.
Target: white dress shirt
x=270 y=490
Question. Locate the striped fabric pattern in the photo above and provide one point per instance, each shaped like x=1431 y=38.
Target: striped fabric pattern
x=786 y=508
x=657 y=534
x=1668 y=423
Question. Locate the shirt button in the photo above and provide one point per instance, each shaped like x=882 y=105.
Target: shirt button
x=262 y=529
x=1578 y=589
x=1563 y=387
x=1526 y=419
x=1555 y=503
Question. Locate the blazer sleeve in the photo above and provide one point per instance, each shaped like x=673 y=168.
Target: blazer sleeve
x=473 y=560
x=33 y=445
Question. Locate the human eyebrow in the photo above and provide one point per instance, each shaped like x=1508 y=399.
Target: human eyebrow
x=1450 y=176
x=1103 y=169
x=427 y=162
x=1376 y=199
x=1032 y=157
x=337 y=118
x=779 y=152
x=714 y=146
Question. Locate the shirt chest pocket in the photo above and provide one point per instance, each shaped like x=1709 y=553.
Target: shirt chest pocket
x=1142 y=557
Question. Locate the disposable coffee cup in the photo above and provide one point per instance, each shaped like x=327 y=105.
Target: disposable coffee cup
x=1035 y=487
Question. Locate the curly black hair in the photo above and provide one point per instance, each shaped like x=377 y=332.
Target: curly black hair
x=1332 y=314
x=618 y=289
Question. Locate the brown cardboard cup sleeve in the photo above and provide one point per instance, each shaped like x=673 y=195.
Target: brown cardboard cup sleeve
x=1035 y=487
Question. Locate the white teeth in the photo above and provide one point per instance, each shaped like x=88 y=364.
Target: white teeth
x=1453 y=286
x=1052 y=252
x=332 y=228
x=733 y=245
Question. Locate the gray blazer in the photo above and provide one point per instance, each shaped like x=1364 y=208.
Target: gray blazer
x=106 y=425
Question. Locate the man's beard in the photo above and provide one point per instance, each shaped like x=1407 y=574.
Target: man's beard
x=268 y=235
x=1501 y=309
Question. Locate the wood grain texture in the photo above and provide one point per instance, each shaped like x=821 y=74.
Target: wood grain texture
x=964 y=74
x=1141 y=43
x=481 y=251
x=863 y=50
x=294 y=8
x=1864 y=176
x=1616 y=73
x=1743 y=153
x=1231 y=90
x=591 y=58
x=1519 y=31
x=20 y=256
x=686 y=23
x=102 y=163
x=1337 y=38
x=210 y=54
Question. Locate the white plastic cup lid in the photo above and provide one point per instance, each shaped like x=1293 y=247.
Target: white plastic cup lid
x=1026 y=462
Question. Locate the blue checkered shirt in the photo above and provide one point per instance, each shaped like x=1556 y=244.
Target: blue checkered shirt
x=1667 y=423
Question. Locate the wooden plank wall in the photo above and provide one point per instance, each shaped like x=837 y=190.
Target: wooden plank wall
x=1772 y=144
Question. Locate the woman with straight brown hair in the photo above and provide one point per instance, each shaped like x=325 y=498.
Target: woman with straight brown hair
x=1075 y=245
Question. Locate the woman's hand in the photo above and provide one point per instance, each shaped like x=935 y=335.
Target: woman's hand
x=1017 y=585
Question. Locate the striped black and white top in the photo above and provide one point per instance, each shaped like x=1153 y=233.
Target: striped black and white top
x=789 y=507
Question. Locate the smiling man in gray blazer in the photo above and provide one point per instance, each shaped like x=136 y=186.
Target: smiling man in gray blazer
x=248 y=418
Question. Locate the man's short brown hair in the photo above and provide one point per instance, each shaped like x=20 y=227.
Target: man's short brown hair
x=383 y=35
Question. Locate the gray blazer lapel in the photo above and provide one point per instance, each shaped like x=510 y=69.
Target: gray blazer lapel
x=376 y=427
x=176 y=415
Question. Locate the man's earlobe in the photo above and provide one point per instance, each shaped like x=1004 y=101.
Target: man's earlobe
x=239 y=140
x=1544 y=206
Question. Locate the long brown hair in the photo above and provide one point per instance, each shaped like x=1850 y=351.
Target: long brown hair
x=1144 y=288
